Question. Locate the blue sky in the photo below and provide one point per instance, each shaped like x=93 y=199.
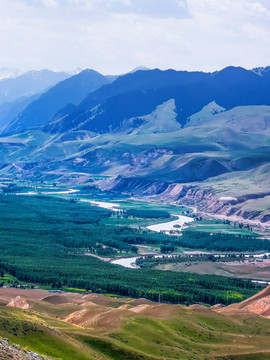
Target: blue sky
x=114 y=36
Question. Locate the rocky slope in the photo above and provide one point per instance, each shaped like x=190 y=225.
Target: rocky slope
x=9 y=351
x=19 y=303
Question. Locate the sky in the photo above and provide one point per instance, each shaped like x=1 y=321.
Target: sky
x=115 y=36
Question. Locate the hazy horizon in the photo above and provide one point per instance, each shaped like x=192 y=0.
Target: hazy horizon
x=78 y=70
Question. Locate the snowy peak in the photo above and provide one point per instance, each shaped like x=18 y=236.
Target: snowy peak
x=76 y=71
x=6 y=73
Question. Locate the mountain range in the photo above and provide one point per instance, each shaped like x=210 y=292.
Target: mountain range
x=139 y=93
x=198 y=138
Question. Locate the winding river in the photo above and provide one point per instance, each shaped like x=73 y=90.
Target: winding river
x=170 y=227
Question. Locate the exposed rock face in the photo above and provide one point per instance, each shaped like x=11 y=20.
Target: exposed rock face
x=19 y=303
x=231 y=208
x=204 y=199
x=260 y=307
x=10 y=351
x=138 y=186
x=257 y=304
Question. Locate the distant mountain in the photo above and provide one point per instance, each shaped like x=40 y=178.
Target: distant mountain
x=138 y=68
x=199 y=138
x=162 y=120
x=28 y=84
x=138 y=94
x=10 y=110
x=70 y=91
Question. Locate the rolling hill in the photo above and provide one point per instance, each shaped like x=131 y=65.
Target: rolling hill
x=73 y=326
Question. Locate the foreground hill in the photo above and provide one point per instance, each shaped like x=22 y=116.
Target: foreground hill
x=73 y=326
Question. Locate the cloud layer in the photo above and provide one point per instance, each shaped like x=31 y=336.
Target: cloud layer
x=114 y=36
x=152 y=8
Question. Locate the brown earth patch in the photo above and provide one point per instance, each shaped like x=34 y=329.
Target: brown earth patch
x=19 y=303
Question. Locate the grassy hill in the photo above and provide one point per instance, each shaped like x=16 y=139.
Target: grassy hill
x=105 y=328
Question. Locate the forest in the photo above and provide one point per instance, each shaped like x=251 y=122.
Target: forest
x=43 y=240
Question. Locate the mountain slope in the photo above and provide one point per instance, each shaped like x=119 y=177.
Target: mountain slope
x=10 y=351
x=71 y=90
x=134 y=94
x=28 y=84
x=235 y=140
x=8 y=111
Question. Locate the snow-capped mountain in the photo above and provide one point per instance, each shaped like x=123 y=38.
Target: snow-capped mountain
x=6 y=73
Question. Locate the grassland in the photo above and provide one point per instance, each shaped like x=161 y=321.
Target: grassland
x=220 y=227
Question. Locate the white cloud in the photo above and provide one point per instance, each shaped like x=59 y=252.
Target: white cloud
x=152 y=8
x=114 y=36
